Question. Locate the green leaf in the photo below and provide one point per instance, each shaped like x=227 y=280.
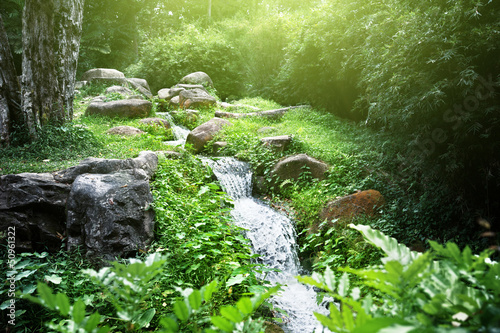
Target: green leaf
x=62 y=302
x=390 y=246
x=145 y=318
x=326 y=322
x=24 y=274
x=181 y=310
x=170 y=324
x=5 y=304
x=376 y=324
x=45 y=293
x=78 y=311
x=195 y=299
x=53 y=278
x=209 y=290
x=235 y=280
x=245 y=305
x=343 y=287
x=222 y=323
x=92 y=321
x=231 y=313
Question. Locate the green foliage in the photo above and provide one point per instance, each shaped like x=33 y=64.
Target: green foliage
x=232 y=318
x=444 y=290
x=165 y=60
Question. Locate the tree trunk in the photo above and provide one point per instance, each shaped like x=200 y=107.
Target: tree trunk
x=10 y=91
x=51 y=43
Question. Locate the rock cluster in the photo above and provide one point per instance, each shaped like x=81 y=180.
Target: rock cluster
x=190 y=92
x=100 y=205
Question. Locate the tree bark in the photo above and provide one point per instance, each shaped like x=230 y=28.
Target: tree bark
x=10 y=91
x=51 y=43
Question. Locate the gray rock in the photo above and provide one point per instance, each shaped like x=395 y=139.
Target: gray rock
x=277 y=143
x=124 y=130
x=189 y=87
x=109 y=215
x=130 y=108
x=174 y=102
x=202 y=134
x=98 y=73
x=292 y=167
x=155 y=121
x=195 y=98
x=218 y=146
x=198 y=78
x=34 y=204
x=80 y=84
x=147 y=161
x=141 y=86
x=124 y=91
x=168 y=93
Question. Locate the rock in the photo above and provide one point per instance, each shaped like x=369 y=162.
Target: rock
x=292 y=167
x=147 y=161
x=141 y=86
x=124 y=91
x=130 y=108
x=198 y=78
x=168 y=154
x=167 y=93
x=202 y=134
x=218 y=146
x=191 y=115
x=364 y=203
x=155 y=122
x=80 y=84
x=270 y=327
x=277 y=143
x=174 y=102
x=235 y=107
x=35 y=205
x=273 y=114
x=124 y=130
x=98 y=73
x=189 y=87
x=109 y=215
x=195 y=98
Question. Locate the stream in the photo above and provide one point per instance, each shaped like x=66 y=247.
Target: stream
x=273 y=237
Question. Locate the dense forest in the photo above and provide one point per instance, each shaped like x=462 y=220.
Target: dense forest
x=405 y=99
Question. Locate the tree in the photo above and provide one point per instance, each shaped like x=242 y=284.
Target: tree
x=51 y=42
x=10 y=98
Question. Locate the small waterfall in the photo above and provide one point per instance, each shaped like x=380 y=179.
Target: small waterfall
x=180 y=132
x=273 y=237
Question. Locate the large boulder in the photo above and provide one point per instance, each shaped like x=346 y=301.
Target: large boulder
x=146 y=161
x=35 y=205
x=109 y=215
x=130 y=108
x=292 y=167
x=198 y=78
x=168 y=93
x=202 y=134
x=195 y=98
x=363 y=203
x=97 y=73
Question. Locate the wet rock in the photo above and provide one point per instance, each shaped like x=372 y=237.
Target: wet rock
x=34 y=204
x=124 y=130
x=202 y=134
x=292 y=167
x=130 y=108
x=201 y=78
x=109 y=215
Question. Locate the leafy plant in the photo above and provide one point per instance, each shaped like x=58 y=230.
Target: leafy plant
x=444 y=290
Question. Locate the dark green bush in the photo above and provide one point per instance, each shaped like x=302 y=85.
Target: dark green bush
x=166 y=60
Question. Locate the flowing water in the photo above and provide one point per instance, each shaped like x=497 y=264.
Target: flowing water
x=180 y=133
x=273 y=238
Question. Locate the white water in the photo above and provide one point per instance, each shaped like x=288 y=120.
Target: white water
x=180 y=133
x=273 y=237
